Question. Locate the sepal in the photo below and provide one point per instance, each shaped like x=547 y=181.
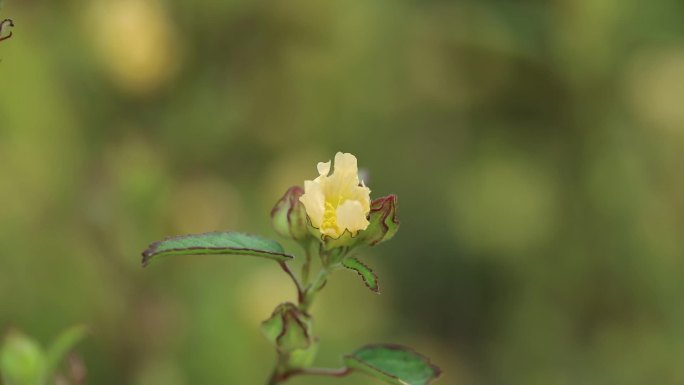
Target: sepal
x=288 y=328
x=303 y=358
x=383 y=221
x=289 y=215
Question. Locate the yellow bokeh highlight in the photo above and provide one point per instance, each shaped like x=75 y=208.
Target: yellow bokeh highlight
x=135 y=41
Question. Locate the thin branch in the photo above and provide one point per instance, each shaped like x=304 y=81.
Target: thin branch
x=300 y=292
x=337 y=372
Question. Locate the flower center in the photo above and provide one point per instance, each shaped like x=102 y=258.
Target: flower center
x=330 y=215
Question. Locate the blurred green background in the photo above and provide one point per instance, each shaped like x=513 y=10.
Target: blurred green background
x=536 y=148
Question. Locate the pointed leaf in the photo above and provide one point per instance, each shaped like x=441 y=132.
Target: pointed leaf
x=394 y=364
x=227 y=243
x=368 y=276
x=62 y=345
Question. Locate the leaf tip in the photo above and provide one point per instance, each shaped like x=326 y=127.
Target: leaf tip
x=148 y=253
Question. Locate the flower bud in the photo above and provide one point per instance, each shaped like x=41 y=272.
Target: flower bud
x=289 y=215
x=289 y=328
x=383 y=220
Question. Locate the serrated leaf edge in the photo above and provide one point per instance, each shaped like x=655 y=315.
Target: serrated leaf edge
x=151 y=250
x=363 y=278
x=436 y=369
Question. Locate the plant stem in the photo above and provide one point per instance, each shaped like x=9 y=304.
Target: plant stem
x=307 y=293
x=306 y=267
x=341 y=372
x=286 y=269
x=313 y=289
x=279 y=370
x=275 y=378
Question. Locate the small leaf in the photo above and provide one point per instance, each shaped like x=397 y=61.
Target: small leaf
x=62 y=345
x=394 y=364
x=368 y=276
x=227 y=243
x=22 y=361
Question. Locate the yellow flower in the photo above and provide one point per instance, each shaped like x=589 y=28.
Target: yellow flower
x=336 y=203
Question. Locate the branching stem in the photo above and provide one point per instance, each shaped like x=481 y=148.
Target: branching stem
x=306 y=294
x=277 y=377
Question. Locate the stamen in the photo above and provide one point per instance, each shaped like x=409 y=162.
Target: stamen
x=330 y=215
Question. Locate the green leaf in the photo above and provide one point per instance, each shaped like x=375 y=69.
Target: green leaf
x=368 y=276
x=62 y=345
x=22 y=361
x=394 y=364
x=227 y=243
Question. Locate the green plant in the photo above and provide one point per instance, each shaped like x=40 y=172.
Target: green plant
x=331 y=217
x=24 y=362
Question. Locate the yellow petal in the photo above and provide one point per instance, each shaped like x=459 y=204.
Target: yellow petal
x=361 y=194
x=323 y=168
x=314 y=202
x=331 y=232
x=345 y=164
x=351 y=216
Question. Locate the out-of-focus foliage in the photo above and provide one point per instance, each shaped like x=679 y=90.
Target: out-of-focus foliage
x=536 y=148
x=24 y=362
